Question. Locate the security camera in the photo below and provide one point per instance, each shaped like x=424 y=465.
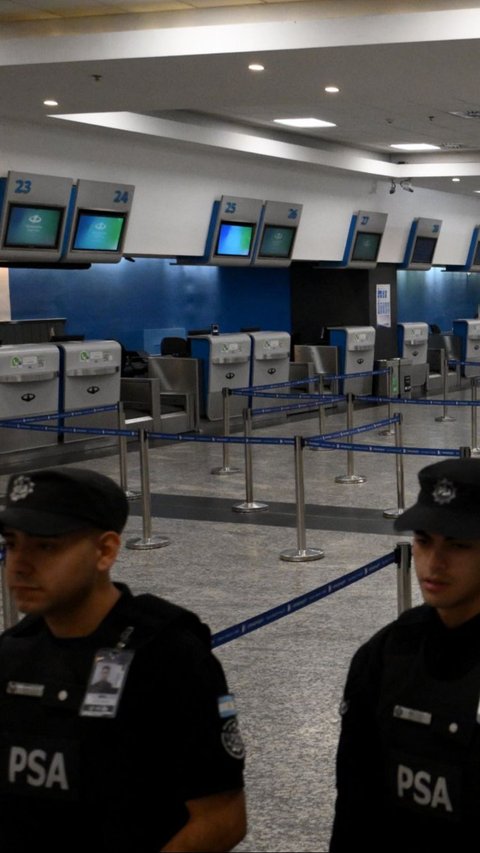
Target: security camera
x=393 y=187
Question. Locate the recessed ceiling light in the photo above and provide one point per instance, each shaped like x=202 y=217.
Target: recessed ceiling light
x=304 y=122
x=456 y=180
x=332 y=89
x=476 y=191
x=255 y=66
x=416 y=146
x=51 y=103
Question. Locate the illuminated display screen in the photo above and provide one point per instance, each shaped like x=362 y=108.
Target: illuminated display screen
x=35 y=227
x=235 y=239
x=423 y=250
x=366 y=246
x=277 y=241
x=98 y=231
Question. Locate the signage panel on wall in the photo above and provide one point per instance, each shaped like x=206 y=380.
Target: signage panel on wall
x=276 y=234
x=364 y=239
x=232 y=231
x=33 y=217
x=421 y=244
x=98 y=221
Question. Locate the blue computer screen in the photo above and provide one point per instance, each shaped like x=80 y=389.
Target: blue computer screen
x=98 y=231
x=235 y=239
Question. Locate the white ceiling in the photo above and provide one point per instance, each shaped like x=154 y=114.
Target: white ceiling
x=407 y=72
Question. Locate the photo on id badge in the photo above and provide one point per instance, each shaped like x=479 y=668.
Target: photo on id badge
x=105 y=684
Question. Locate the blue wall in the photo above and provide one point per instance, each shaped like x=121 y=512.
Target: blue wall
x=123 y=301
x=437 y=296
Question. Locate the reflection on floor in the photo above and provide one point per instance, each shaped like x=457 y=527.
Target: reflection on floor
x=226 y=566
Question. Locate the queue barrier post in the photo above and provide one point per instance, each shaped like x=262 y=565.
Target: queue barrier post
x=10 y=612
x=350 y=477
x=474 y=446
x=148 y=541
x=403 y=559
x=445 y=417
x=226 y=468
x=394 y=513
x=390 y=383
x=122 y=457
x=301 y=554
x=465 y=452
x=249 y=505
x=321 y=405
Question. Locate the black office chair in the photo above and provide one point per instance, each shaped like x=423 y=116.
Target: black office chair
x=178 y=347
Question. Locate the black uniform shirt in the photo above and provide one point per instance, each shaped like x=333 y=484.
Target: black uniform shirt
x=408 y=761
x=74 y=783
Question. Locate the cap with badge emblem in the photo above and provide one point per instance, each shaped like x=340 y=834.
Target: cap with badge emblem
x=448 y=501
x=54 y=501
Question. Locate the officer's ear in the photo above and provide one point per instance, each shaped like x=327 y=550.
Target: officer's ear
x=108 y=544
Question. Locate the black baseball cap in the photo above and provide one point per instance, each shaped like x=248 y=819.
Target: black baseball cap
x=448 y=501
x=54 y=501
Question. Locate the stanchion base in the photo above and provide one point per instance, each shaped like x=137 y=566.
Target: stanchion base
x=250 y=506
x=132 y=496
x=225 y=470
x=386 y=432
x=392 y=513
x=302 y=555
x=444 y=419
x=350 y=478
x=138 y=543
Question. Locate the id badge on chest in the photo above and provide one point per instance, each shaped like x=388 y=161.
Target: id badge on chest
x=106 y=682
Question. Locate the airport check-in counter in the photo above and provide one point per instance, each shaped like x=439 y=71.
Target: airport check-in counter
x=224 y=363
x=168 y=394
x=413 y=345
x=29 y=383
x=356 y=350
x=441 y=346
x=270 y=363
x=89 y=377
x=322 y=359
x=469 y=333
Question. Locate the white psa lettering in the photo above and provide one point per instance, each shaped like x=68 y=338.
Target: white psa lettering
x=425 y=789
x=39 y=769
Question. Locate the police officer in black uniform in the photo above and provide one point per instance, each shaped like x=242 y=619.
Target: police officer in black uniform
x=156 y=764
x=408 y=762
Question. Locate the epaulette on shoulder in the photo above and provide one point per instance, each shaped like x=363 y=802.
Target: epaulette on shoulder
x=163 y=614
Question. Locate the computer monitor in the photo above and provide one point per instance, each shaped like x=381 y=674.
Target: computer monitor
x=277 y=241
x=366 y=246
x=423 y=250
x=98 y=231
x=235 y=239
x=33 y=226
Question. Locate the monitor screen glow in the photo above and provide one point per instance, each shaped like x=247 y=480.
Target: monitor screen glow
x=235 y=239
x=33 y=227
x=277 y=241
x=423 y=250
x=366 y=246
x=98 y=231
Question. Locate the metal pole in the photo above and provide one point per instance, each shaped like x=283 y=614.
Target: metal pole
x=122 y=453
x=321 y=409
x=301 y=553
x=465 y=452
x=394 y=513
x=10 y=612
x=350 y=477
x=249 y=505
x=474 y=446
x=445 y=416
x=226 y=468
x=389 y=430
x=147 y=542
x=403 y=557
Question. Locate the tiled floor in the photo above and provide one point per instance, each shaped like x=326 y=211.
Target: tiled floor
x=226 y=566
